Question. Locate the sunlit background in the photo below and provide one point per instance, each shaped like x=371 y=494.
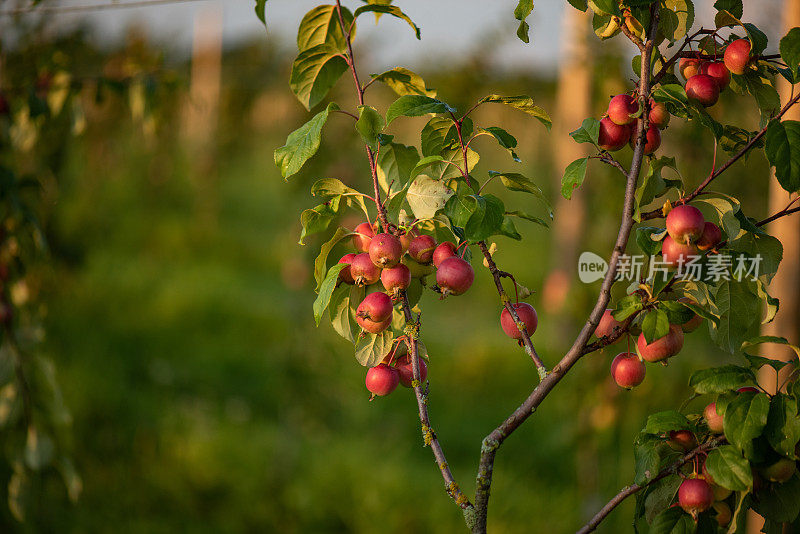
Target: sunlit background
x=178 y=303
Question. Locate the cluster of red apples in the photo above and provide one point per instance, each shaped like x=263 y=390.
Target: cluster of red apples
x=688 y=234
x=393 y=261
x=619 y=124
x=700 y=492
x=705 y=80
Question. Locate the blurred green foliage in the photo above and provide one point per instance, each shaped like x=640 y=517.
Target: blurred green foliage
x=204 y=399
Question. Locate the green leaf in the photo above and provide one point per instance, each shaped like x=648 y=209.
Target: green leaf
x=415 y=106
x=321 y=262
x=763 y=246
x=790 y=50
x=404 y=82
x=661 y=422
x=580 y=5
x=758 y=361
x=677 y=16
x=645 y=238
x=673 y=521
x=783 y=425
x=589 y=132
x=721 y=210
x=655 y=325
x=504 y=139
x=260 y=11
x=574 y=175
x=395 y=164
x=609 y=7
x=653 y=184
x=369 y=124
x=388 y=10
x=738 y=311
x=627 y=306
x=677 y=312
x=486 y=220
x=371 y=348
x=320 y=26
x=314 y=72
x=326 y=291
x=732 y=6
x=521 y=12
x=302 y=143
x=333 y=188
x=427 y=196
x=318 y=219
x=341 y=312
x=729 y=468
x=745 y=419
x=660 y=494
x=779 y=503
x=673 y=93
x=721 y=379
x=522 y=103
x=517 y=182
x=649 y=452
x=783 y=152
x=528 y=217
x=440 y=133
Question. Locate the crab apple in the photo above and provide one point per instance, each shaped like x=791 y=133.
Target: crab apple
x=689 y=67
x=406 y=239
x=373 y=327
x=396 y=278
x=695 y=496
x=385 y=250
x=663 y=347
x=454 y=276
x=442 y=252
x=627 y=370
x=526 y=313
x=692 y=324
x=703 y=88
x=406 y=370
x=417 y=269
x=376 y=307
x=718 y=72
x=382 y=379
x=747 y=389
x=652 y=139
x=780 y=471
x=724 y=514
x=607 y=324
x=658 y=116
x=620 y=109
x=362 y=239
x=422 y=248
x=345 y=275
x=685 y=224
x=712 y=236
x=713 y=419
x=682 y=440
x=737 y=55
x=613 y=136
x=363 y=271
x=676 y=254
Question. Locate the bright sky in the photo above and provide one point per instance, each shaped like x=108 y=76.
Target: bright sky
x=448 y=30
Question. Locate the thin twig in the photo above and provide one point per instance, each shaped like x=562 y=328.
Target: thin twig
x=634 y=488
x=657 y=213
